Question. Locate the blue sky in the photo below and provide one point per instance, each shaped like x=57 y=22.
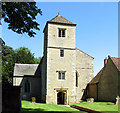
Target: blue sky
x=96 y=30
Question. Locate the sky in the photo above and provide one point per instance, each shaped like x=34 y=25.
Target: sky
x=96 y=30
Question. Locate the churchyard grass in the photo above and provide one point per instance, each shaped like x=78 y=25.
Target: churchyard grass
x=99 y=106
x=29 y=107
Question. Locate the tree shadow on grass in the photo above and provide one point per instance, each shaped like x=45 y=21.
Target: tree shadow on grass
x=29 y=110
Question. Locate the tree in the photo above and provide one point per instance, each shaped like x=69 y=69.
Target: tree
x=21 y=16
x=24 y=56
x=10 y=57
x=8 y=62
x=37 y=60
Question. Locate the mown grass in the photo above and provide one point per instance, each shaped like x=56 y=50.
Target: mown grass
x=99 y=106
x=29 y=107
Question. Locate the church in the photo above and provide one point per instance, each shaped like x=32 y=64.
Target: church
x=64 y=71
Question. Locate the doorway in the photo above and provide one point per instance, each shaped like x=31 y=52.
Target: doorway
x=61 y=97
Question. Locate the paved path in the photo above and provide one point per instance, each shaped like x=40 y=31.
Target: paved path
x=75 y=108
x=85 y=109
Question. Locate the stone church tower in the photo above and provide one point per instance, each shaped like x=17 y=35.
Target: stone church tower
x=64 y=71
x=60 y=56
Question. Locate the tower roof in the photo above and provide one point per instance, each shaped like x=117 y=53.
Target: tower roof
x=60 y=20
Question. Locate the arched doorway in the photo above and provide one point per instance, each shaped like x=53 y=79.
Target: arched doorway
x=61 y=97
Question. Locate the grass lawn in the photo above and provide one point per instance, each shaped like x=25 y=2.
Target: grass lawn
x=99 y=106
x=29 y=107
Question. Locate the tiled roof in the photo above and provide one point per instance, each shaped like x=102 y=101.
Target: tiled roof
x=116 y=61
x=60 y=19
x=25 y=69
x=97 y=77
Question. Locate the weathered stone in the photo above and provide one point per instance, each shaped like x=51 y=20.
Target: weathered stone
x=73 y=61
x=117 y=100
x=90 y=100
x=33 y=99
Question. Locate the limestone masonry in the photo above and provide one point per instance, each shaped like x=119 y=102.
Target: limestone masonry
x=64 y=71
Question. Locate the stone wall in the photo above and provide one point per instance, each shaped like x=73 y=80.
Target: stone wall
x=65 y=42
x=56 y=63
x=84 y=68
x=108 y=84
x=43 y=67
x=30 y=72
x=72 y=62
x=34 y=87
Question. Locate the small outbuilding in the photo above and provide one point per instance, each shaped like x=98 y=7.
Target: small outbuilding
x=105 y=86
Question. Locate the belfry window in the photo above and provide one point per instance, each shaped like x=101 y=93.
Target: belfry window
x=27 y=86
x=61 y=75
x=61 y=53
x=61 y=32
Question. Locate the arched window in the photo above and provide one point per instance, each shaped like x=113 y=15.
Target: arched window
x=27 y=86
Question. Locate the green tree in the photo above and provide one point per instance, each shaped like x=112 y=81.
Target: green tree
x=10 y=57
x=1 y=44
x=8 y=62
x=37 y=60
x=24 y=56
x=21 y=16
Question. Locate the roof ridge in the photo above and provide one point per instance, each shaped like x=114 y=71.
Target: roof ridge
x=53 y=18
x=84 y=52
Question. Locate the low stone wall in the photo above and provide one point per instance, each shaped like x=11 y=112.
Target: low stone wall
x=11 y=101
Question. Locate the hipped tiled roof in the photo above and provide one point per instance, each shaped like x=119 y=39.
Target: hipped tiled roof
x=60 y=19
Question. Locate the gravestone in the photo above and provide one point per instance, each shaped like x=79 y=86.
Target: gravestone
x=117 y=100
x=90 y=100
x=33 y=99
